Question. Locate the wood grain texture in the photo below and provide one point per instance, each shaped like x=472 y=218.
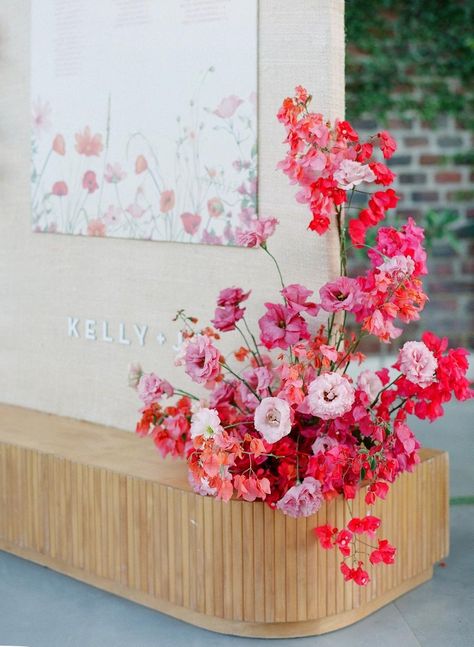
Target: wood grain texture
x=98 y=504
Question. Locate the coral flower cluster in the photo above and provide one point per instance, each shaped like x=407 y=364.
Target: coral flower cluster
x=287 y=418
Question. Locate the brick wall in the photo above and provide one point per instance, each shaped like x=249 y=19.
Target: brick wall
x=429 y=178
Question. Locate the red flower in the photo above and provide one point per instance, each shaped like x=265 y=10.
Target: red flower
x=345 y=131
x=384 y=553
x=191 y=222
x=382 y=173
x=387 y=144
x=378 y=489
x=325 y=535
x=343 y=541
x=357 y=232
x=360 y=576
x=89 y=181
x=60 y=189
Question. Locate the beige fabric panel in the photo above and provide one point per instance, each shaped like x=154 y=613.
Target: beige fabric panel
x=44 y=277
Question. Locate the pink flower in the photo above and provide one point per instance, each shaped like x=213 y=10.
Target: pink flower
x=281 y=327
x=350 y=174
x=201 y=360
x=329 y=396
x=141 y=164
x=417 y=363
x=205 y=422
x=88 y=144
x=59 y=145
x=232 y=297
x=113 y=215
x=401 y=266
x=303 y=499
x=260 y=230
x=226 y=318
x=191 y=222
x=215 y=207
x=135 y=210
x=341 y=294
x=151 y=388
x=41 y=117
x=60 y=189
x=228 y=106
x=272 y=419
x=167 y=200
x=296 y=295
x=369 y=382
x=89 y=182
x=114 y=173
x=96 y=228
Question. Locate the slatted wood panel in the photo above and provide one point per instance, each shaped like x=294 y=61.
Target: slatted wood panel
x=98 y=504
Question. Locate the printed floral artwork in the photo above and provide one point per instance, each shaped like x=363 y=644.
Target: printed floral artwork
x=180 y=165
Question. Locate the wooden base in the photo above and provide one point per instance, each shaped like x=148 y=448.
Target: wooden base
x=99 y=505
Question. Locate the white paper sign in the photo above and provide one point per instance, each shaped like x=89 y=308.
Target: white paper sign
x=144 y=118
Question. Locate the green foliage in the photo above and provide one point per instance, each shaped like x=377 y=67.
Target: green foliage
x=408 y=57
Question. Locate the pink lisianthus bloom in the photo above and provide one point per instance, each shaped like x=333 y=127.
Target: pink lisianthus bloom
x=232 y=297
x=369 y=382
x=417 y=363
x=228 y=312
x=226 y=318
x=296 y=297
x=272 y=419
x=329 y=396
x=303 y=499
x=227 y=107
x=350 y=174
x=205 y=422
x=281 y=327
x=260 y=230
x=201 y=360
x=341 y=294
x=152 y=388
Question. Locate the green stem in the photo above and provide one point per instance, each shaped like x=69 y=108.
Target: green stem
x=227 y=367
x=264 y=247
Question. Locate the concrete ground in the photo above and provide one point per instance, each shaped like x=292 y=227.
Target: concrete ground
x=40 y=608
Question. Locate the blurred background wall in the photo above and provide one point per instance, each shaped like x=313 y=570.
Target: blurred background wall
x=409 y=69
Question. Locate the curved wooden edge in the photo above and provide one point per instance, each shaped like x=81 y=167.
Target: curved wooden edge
x=212 y=623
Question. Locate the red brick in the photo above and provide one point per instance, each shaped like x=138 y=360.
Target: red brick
x=426 y=160
x=415 y=141
x=468 y=266
x=448 y=176
x=399 y=124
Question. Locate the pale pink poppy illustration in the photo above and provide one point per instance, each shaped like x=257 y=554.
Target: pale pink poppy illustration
x=167 y=200
x=60 y=188
x=113 y=215
x=114 y=173
x=88 y=144
x=135 y=210
x=41 y=117
x=228 y=106
x=215 y=207
x=191 y=222
x=59 y=145
x=89 y=181
x=96 y=228
x=141 y=164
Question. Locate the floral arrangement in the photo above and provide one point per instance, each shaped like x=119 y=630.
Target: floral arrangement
x=284 y=421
